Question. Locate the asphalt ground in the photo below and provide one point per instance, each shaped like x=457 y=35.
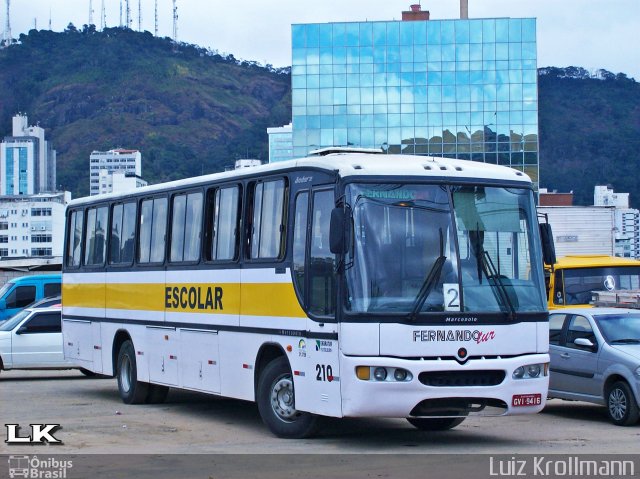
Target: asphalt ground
x=202 y=433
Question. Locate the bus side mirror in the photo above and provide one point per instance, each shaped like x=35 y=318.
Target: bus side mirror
x=548 y=247
x=337 y=229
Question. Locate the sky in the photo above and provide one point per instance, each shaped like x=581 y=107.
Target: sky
x=591 y=34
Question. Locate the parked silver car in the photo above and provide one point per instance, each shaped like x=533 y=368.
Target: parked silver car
x=595 y=357
x=32 y=339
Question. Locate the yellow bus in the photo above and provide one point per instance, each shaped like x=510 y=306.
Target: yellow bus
x=573 y=278
x=345 y=285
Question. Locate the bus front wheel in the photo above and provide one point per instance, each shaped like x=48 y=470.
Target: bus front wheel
x=131 y=390
x=435 y=424
x=276 y=402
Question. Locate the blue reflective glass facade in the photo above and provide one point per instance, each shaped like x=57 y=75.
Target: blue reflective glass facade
x=457 y=88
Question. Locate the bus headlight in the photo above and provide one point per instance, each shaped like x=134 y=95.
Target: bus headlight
x=533 y=370
x=380 y=374
x=400 y=375
x=530 y=371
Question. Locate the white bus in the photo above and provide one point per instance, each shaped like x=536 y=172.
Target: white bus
x=344 y=285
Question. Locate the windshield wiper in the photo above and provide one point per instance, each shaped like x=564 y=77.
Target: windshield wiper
x=626 y=341
x=492 y=274
x=428 y=284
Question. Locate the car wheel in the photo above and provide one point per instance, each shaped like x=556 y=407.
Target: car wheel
x=131 y=390
x=622 y=407
x=276 y=402
x=435 y=424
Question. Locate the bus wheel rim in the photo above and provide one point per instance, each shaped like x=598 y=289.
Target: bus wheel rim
x=282 y=399
x=125 y=374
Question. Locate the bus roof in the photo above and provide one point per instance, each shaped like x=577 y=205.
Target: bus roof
x=593 y=260
x=350 y=164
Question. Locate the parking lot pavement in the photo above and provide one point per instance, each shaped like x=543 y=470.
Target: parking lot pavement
x=93 y=420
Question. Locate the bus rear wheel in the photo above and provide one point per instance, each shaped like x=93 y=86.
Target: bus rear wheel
x=435 y=424
x=131 y=390
x=276 y=402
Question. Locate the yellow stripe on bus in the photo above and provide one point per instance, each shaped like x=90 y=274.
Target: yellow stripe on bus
x=258 y=299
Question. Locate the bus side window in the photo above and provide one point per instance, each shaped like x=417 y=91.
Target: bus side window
x=186 y=227
x=153 y=225
x=223 y=207
x=75 y=238
x=300 y=242
x=96 y=236
x=267 y=226
x=116 y=233
x=321 y=260
x=123 y=230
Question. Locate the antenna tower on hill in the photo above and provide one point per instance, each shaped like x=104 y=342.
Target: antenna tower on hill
x=90 y=13
x=155 y=31
x=103 y=17
x=128 y=14
x=175 y=22
x=139 y=15
x=6 y=37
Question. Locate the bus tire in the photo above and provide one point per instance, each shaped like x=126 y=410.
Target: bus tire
x=276 y=402
x=131 y=390
x=622 y=408
x=157 y=394
x=436 y=423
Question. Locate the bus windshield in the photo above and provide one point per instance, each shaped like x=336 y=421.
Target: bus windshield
x=579 y=283
x=433 y=248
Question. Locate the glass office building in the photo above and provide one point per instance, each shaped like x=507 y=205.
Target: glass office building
x=457 y=88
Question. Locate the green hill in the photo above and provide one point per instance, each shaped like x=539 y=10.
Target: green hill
x=589 y=132
x=191 y=111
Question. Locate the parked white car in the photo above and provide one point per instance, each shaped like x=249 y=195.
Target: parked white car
x=32 y=339
x=595 y=357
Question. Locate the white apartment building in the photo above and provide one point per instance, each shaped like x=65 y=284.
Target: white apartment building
x=119 y=181
x=626 y=221
x=117 y=160
x=32 y=226
x=27 y=160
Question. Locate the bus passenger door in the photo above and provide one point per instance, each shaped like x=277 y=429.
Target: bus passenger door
x=320 y=386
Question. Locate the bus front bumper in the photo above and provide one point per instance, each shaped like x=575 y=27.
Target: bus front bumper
x=443 y=388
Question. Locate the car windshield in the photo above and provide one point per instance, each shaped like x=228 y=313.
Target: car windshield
x=11 y=323
x=619 y=328
x=431 y=248
x=5 y=287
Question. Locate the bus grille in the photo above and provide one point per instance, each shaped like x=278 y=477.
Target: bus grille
x=461 y=378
